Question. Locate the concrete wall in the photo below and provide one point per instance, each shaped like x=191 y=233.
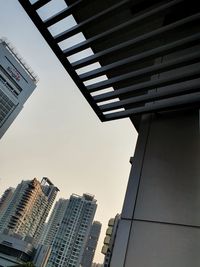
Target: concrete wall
x=160 y=224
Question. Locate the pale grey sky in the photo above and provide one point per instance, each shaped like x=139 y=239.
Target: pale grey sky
x=57 y=134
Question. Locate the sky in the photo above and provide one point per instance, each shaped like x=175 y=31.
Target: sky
x=57 y=134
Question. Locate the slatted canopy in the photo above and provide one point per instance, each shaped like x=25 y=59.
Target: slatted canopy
x=127 y=57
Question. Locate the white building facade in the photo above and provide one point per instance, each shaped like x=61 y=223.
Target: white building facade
x=51 y=228
x=72 y=235
x=17 y=82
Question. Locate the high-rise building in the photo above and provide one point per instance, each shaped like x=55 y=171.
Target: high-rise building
x=29 y=208
x=17 y=83
x=50 y=229
x=72 y=235
x=91 y=245
x=5 y=199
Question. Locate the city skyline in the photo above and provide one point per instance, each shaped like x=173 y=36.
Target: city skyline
x=70 y=227
x=51 y=138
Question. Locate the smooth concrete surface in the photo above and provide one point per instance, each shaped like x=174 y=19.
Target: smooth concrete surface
x=121 y=242
x=160 y=245
x=136 y=170
x=170 y=181
x=162 y=202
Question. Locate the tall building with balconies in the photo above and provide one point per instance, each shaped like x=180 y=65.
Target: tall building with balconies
x=5 y=199
x=72 y=235
x=17 y=82
x=29 y=208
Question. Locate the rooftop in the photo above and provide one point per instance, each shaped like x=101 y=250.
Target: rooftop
x=21 y=61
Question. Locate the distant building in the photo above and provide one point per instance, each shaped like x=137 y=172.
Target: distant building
x=73 y=232
x=29 y=208
x=17 y=83
x=50 y=229
x=14 y=249
x=5 y=199
x=91 y=245
x=109 y=240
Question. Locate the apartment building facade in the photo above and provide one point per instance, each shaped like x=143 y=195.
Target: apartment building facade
x=72 y=235
x=29 y=208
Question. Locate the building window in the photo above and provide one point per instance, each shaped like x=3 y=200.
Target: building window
x=6 y=107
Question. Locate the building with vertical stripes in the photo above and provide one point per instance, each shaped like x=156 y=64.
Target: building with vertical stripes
x=73 y=232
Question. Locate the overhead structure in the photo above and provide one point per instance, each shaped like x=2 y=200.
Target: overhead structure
x=122 y=55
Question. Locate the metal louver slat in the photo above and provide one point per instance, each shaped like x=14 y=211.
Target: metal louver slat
x=40 y=3
x=156 y=52
x=138 y=47
x=170 y=92
x=155 y=69
x=62 y=14
x=149 y=85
